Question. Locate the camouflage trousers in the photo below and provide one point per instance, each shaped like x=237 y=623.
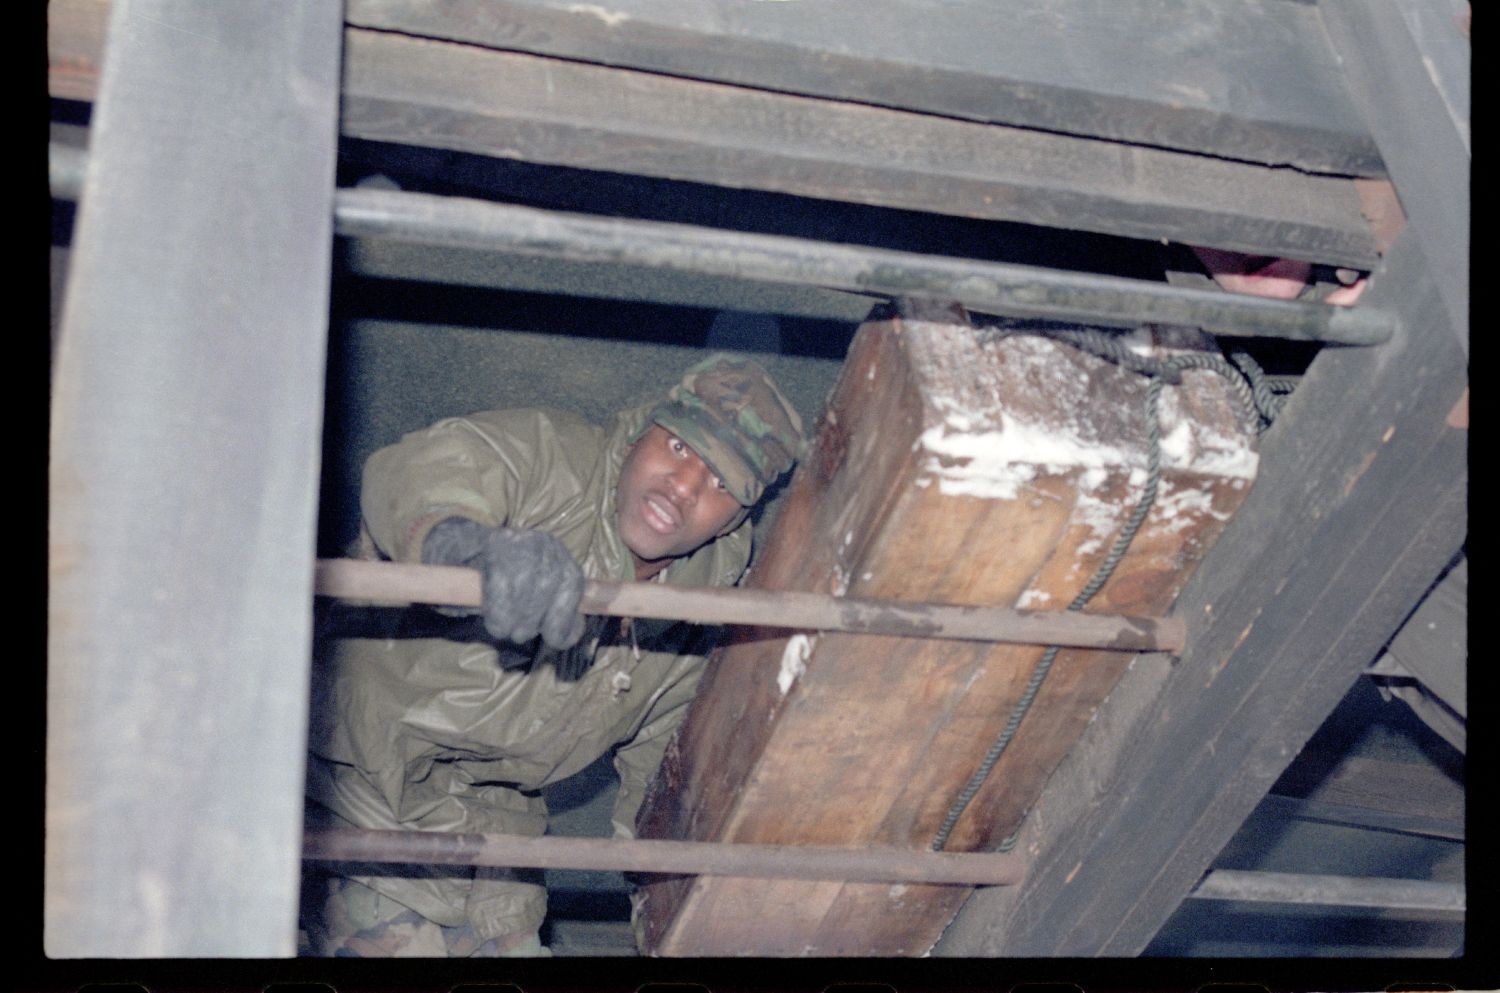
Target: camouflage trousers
x=344 y=918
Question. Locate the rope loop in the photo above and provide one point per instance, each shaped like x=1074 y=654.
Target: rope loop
x=1259 y=401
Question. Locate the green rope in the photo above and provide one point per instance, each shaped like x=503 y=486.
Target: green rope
x=1108 y=346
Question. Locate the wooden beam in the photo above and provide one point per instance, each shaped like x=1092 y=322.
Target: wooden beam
x=1250 y=82
x=75 y=47
x=416 y=91
x=1361 y=502
x=186 y=413
x=1407 y=67
x=1376 y=785
x=565 y=114
x=1371 y=818
x=953 y=468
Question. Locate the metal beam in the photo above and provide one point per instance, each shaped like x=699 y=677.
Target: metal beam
x=1253 y=82
x=460 y=587
x=1330 y=891
x=187 y=403
x=878 y=865
x=1360 y=504
x=986 y=287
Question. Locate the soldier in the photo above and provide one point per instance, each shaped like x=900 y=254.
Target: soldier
x=455 y=722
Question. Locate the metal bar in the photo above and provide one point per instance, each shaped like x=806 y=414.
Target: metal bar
x=457 y=586
x=985 y=287
x=66 y=167
x=668 y=857
x=1330 y=891
x=178 y=611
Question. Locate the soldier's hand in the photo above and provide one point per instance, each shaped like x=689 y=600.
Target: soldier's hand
x=529 y=580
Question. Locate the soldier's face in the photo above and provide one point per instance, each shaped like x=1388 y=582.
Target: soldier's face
x=669 y=501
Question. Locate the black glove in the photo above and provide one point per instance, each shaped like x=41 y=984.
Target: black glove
x=530 y=583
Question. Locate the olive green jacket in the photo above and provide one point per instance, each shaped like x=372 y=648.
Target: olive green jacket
x=431 y=733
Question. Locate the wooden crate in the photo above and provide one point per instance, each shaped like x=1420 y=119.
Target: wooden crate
x=946 y=467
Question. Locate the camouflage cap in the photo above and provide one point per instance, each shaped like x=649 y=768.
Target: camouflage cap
x=732 y=414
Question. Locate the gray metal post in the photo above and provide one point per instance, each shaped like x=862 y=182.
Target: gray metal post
x=187 y=405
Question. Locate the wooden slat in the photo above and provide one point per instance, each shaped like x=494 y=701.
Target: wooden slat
x=422 y=92
x=1362 y=815
x=1379 y=784
x=1249 y=82
x=872 y=742
x=417 y=91
x=1360 y=505
x=75 y=47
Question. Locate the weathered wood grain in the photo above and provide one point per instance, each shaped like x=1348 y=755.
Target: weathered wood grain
x=972 y=473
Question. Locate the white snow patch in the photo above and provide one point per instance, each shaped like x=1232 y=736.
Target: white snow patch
x=794 y=660
x=1140 y=341
x=1032 y=598
x=1178 y=509
x=840 y=580
x=994 y=463
x=1177 y=444
x=1227 y=457
x=1099 y=516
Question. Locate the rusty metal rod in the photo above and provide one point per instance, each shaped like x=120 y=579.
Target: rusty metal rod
x=865 y=865
x=1331 y=891
x=455 y=586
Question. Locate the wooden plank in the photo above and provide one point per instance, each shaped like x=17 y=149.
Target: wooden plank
x=435 y=94
x=1433 y=644
x=920 y=484
x=1361 y=815
x=1359 y=507
x=1379 y=784
x=421 y=92
x=1249 y=82
x=187 y=403
x=75 y=47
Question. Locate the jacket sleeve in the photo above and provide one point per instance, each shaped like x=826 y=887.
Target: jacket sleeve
x=637 y=760
x=487 y=467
